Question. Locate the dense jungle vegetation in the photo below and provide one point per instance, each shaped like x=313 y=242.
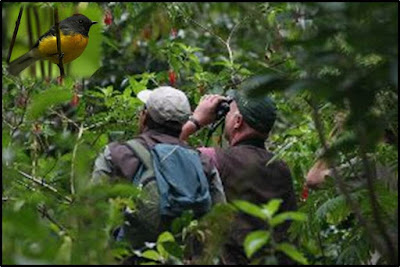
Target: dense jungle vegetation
x=332 y=69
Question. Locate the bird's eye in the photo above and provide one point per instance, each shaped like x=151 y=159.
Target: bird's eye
x=80 y=21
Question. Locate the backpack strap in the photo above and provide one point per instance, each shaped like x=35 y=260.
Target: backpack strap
x=145 y=172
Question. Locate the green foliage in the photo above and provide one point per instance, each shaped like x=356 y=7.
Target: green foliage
x=292 y=252
x=255 y=240
x=46 y=99
x=325 y=58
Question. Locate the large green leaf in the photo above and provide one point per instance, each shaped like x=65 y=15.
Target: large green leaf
x=290 y=215
x=162 y=238
x=272 y=207
x=292 y=252
x=173 y=249
x=151 y=255
x=254 y=241
x=46 y=99
x=251 y=209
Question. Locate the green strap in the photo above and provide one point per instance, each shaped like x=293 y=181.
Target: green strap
x=145 y=157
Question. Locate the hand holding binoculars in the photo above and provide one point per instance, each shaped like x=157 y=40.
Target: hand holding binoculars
x=223 y=108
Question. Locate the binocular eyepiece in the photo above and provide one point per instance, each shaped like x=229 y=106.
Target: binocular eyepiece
x=223 y=108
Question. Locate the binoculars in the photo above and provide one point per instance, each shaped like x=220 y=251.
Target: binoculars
x=223 y=108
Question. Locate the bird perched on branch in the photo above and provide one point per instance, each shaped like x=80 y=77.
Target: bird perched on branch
x=74 y=34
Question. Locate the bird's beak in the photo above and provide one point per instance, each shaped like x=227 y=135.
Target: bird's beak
x=94 y=22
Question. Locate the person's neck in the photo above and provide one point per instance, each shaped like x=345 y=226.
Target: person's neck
x=241 y=137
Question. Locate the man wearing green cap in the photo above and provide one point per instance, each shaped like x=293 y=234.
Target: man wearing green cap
x=243 y=166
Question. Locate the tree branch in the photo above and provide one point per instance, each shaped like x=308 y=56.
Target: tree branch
x=43 y=211
x=14 y=34
x=227 y=43
x=30 y=37
x=219 y=38
x=62 y=116
x=51 y=19
x=81 y=130
x=37 y=20
x=41 y=182
x=371 y=176
x=35 y=155
x=60 y=55
x=339 y=182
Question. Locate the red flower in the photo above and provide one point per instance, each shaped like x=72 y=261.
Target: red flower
x=108 y=18
x=304 y=193
x=172 y=77
x=75 y=100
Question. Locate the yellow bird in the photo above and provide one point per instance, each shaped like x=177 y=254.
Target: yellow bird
x=74 y=35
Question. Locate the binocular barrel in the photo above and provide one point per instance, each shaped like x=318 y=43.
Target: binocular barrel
x=223 y=108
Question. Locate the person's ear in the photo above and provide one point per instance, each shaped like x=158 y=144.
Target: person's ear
x=238 y=121
x=143 y=118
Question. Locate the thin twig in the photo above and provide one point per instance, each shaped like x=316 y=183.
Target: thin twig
x=228 y=41
x=95 y=125
x=51 y=169
x=50 y=67
x=62 y=116
x=37 y=20
x=76 y=11
x=81 y=130
x=95 y=140
x=30 y=37
x=219 y=38
x=60 y=55
x=35 y=155
x=14 y=34
x=43 y=211
x=27 y=186
x=207 y=30
x=278 y=63
x=41 y=182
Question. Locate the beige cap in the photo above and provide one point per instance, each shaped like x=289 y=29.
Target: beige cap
x=166 y=103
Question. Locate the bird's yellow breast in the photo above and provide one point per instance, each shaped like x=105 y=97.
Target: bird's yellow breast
x=71 y=45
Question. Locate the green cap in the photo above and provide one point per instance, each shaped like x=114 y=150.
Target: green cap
x=258 y=112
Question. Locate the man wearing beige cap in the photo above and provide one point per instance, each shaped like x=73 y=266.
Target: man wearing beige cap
x=160 y=123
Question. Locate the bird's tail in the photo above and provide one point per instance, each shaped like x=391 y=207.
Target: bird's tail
x=21 y=63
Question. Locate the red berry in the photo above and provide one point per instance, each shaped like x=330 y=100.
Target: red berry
x=304 y=193
x=75 y=100
x=108 y=18
x=172 y=77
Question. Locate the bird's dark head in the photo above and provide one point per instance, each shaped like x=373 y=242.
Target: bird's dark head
x=78 y=23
